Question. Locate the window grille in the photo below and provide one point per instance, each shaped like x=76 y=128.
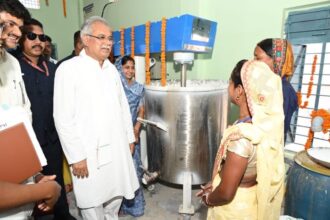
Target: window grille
x=309 y=32
x=33 y=4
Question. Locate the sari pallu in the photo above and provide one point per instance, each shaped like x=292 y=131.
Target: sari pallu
x=134 y=92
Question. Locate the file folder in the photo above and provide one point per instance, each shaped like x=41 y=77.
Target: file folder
x=18 y=157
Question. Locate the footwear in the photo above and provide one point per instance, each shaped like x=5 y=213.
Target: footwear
x=149 y=177
x=151 y=188
x=121 y=213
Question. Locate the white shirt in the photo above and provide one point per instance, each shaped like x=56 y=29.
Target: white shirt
x=52 y=60
x=93 y=121
x=12 y=89
x=13 y=93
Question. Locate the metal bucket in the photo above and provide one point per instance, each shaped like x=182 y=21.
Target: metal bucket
x=308 y=189
x=196 y=117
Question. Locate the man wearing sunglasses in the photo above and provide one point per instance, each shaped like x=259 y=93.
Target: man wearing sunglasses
x=38 y=76
x=77 y=45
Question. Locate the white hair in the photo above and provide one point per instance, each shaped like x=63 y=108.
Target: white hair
x=87 y=26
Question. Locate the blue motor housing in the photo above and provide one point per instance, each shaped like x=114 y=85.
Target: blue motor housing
x=184 y=33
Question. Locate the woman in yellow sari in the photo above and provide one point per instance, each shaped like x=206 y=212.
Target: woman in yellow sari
x=248 y=174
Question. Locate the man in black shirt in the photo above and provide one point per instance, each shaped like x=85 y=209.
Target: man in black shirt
x=78 y=46
x=38 y=75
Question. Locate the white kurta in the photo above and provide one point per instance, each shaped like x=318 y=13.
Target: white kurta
x=12 y=92
x=93 y=121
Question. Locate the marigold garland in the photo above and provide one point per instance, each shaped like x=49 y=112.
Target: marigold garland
x=325 y=126
x=309 y=140
x=310 y=86
x=132 y=42
x=122 y=41
x=64 y=7
x=162 y=54
x=147 y=52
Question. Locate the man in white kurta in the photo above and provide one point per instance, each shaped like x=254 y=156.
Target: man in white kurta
x=93 y=121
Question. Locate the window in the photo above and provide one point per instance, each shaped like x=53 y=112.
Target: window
x=33 y=4
x=309 y=32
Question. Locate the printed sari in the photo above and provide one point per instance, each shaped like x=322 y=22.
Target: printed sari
x=263 y=90
x=135 y=97
x=283 y=60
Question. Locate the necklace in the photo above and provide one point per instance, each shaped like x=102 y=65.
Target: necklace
x=248 y=118
x=37 y=67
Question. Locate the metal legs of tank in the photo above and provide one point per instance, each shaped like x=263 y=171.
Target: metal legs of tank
x=187 y=207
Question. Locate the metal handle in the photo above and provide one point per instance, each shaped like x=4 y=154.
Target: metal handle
x=157 y=124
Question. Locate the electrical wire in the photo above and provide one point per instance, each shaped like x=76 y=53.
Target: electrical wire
x=104 y=7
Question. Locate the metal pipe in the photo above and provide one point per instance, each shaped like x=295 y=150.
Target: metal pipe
x=183 y=78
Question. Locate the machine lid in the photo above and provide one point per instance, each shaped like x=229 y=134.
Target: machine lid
x=305 y=161
x=320 y=155
x=192 y=85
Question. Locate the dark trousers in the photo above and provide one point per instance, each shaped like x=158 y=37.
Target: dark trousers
x=53 y=153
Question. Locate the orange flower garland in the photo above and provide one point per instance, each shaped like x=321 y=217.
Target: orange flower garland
x=64 y=7
x=310 y=86
x=326 y=118
x=325 y=127
x=162 y=54
x=132 y=42
x=309 y=140
x=122 y=41
x=147 y=52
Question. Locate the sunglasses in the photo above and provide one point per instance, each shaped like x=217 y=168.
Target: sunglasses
x=33 y=36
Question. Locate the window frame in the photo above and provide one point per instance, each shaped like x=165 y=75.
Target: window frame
x=303 y=36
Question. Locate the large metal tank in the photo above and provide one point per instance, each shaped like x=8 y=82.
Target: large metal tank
x=196 y=117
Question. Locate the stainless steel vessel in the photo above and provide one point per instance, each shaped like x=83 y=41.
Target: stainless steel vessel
x=196 y=117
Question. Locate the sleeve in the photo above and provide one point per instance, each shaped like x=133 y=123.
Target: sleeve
x=290 y=103
x=64 y=114
x=141 y=103
x=242 y=147
x=25 y=99
x=125 y=110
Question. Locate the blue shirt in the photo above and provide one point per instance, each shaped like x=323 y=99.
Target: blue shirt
x=290 y=103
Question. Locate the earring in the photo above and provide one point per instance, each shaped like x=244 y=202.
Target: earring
x=237 y=98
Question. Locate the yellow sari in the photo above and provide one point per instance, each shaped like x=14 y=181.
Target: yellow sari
x=66 y=174
x=263 y=90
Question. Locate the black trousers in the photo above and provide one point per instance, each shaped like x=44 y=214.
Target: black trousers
x=54 y=155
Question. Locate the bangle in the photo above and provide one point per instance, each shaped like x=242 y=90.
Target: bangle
x=35 y=177
x=207 y=201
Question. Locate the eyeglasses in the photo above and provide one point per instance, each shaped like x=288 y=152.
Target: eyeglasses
x=10 y=24
x=102 y=37
x=33 y=36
